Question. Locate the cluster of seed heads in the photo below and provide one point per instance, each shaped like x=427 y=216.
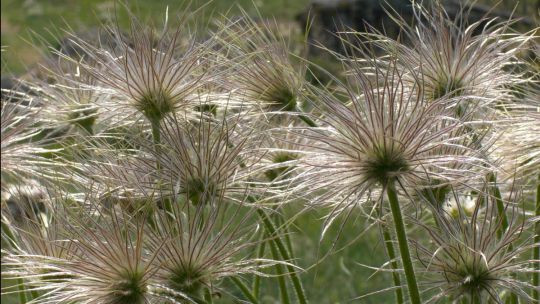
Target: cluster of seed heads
x=150 y=168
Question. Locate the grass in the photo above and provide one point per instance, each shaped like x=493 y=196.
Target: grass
x=21 y=18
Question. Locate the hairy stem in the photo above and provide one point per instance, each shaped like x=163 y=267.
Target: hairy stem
x=297 y=284
x=10 y=237
x=503 y=219
x=256 y=288
x=22 y=291
x=403 y=242
x=34 y=294
x=308 y=121
x=392 y=256
x=156 y=137
x=475 y=299
x=500 y=206
x=208 y=296
x=284 y=295
x=279 y=221
x=245 y=290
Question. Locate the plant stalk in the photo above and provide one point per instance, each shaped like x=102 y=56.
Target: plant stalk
x=297 y=284
x=245 y=290
x=284 y=295
x=156 y=137
x=399 y=226
x=22 y=291
x=307 y=120
x=256 y=288
x=500 y=205
x=391 y=254
x=208 y=296
x=512 y=299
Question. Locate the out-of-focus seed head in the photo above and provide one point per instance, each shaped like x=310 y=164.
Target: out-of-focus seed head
x=29 y=196
x=280 y=150
x=24 y=146
x=467 y=62
x=518 y=144
x=454 y=207
x=69 y=99
x=262 y=72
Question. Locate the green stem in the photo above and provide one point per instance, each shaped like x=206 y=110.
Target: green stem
x=34 y=294
x=11 y=240
x=22 y=292
x=536 y=250
x=280 y=275
x=156 y=137
x=257 y=281
x=280 y=222
x=10 y=236
x=197 y=300
x=245 y=290
x=403 y=243
x=500 y=205
x=297 y=284
x=156 y=132
x=512 y=299
x=475 y=299
x=308 y=121
x=391 y=254
x=87 y=126
x=208 y=296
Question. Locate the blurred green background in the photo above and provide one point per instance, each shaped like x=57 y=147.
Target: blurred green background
x=336 y=279
x=24 y=19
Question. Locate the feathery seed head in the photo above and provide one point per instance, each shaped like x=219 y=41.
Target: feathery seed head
x=23 y=147
x=109 y=263
x=518 y=144
x=262 y=71
x=188 y=279
x=387 y=130
x=469 y=259
x=154 y=76
x=199 y=159
x=37 y=251
x=208 y=158
x=446 y=86
x=68 y=98
x=467 y=62
x=77 y=253
x=384 y=163
x=201 y=244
